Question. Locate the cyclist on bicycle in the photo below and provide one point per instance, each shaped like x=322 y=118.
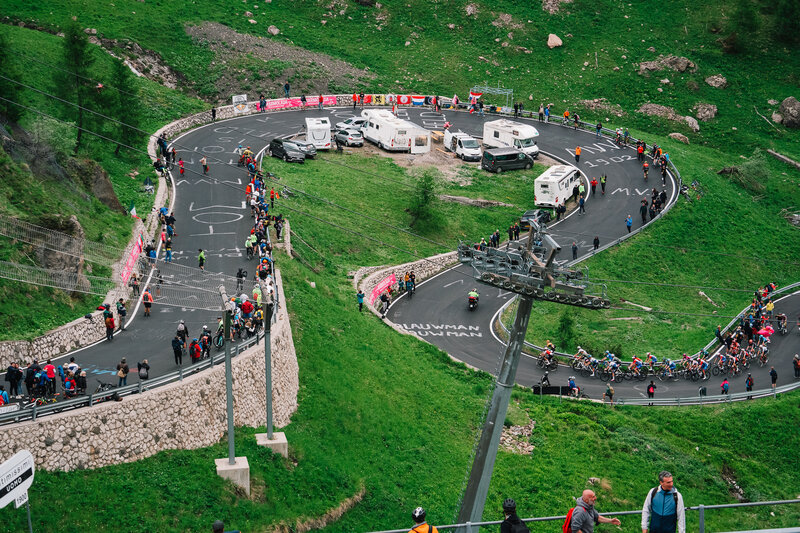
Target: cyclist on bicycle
x=550 y=346
x=250 y=244
x=703 y=367
x=205 y=341
x=651 y=360
x=548 y=356
x=582 y=354
x=636 y=365
x=782 y=319
x=645 y=168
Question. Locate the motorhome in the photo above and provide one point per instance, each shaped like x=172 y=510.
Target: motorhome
x=507 y=133
x=394 y=134
x=318 y=132
x=555 y=185
x=464 y=146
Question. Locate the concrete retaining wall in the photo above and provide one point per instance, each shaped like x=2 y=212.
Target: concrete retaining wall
x=184 y=415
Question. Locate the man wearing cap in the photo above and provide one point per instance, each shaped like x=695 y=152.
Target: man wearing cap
x=219 y=527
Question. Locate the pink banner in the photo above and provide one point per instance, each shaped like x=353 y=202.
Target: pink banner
x=387 y=282
x=130 y=264
x=288 y=103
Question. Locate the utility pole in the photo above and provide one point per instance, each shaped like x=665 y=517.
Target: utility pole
x=531 y=274
x=236 y=469
x=275 y=441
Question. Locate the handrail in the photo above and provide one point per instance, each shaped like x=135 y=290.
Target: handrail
x=700 y=508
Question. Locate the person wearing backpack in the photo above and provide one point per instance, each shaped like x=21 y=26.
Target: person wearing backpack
x=512 y=523
x=583 y=517
x=420 y=525
x=663 y=510
x=651 y=391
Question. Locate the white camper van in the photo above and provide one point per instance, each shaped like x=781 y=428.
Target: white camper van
x=554 y=186
x=465 y=147
x=394 y=134
x=318 y=132
x=507 y=133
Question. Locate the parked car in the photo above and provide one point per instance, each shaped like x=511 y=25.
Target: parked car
x=307 y=148
x=352 y=123
x=286 y=150
x=539 y=215
x=350 y=138
x=500 y=159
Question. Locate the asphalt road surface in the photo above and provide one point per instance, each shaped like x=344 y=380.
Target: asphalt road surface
x=211 y=215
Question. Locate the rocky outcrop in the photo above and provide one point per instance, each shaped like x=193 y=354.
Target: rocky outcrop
x=790 y=111
x=679 y=137
x=601 y=104
x=668 y=113
x=717 y=81
x=135 y=428
x=678 y=64
x=554 y=40
x=705 y=112
x=552 y=6
x=96 y=180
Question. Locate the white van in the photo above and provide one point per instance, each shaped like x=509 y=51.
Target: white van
x=554 y=186
x=318 y=132
x=507 y=133
x=465 y=147
x=394 y=134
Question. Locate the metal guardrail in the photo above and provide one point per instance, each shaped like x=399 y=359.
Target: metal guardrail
x=701 y=509
x=33 y=411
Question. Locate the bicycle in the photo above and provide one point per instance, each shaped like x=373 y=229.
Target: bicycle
x=550 y=364
x=219 y=340
x=249 y=252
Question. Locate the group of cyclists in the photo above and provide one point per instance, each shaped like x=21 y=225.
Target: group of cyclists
x=659 y=156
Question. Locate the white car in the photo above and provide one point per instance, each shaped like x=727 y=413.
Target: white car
x=352 y=123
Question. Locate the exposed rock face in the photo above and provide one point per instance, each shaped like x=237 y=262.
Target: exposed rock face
x=96 y=180
x=669 y=113
x=471 y=9
x=678 y=64
x=717 y=81
x=552 y=6
x=705 y=112
x=554 y=40
x=601 y=104
x=69 y=263
x=790 y=109
x=679 y=137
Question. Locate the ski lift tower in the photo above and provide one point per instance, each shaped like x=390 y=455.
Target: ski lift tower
x=531 y=273
x=499 y=90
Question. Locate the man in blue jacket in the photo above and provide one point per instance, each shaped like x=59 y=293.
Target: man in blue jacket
x=663 y=510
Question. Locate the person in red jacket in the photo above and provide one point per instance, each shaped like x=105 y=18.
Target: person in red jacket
x=195 y=351
x=593 y=183
x=247 y=309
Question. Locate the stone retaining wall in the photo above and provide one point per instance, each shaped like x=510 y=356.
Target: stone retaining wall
x=187 y=414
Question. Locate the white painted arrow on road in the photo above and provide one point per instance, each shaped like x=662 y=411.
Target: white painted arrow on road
x=454 y=282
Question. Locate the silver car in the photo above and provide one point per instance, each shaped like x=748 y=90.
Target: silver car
x=352 y=123
x=349 y=138
x=308 y=149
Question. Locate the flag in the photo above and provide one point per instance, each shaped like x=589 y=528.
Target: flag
x=476 y=95
x=418 y=100
x=132 y=210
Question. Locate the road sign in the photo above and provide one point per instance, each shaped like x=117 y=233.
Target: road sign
x=16 y=477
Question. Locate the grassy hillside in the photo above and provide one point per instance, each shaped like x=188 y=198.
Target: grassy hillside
x=32 y=197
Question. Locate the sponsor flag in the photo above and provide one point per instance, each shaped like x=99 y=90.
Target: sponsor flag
x=403 y=99
x=132 y=210
x=418 y=100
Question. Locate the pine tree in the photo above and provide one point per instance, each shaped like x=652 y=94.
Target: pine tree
x=8 y=89
x=73 y=81
x=125 y=107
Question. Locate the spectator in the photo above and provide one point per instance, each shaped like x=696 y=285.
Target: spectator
x=177 y=349
x=144 y=370
x=577 y=152
x=384 y=303
x=796 y=364
x=50 y=370
x=585 y=516
x=629 y=223
x=748 y=385
x=663 y=510
x=14 y=377
x=651 y=391
x=213 y=114
x=286 y=88
x=609 y=393
x=581 y=205
x=596 y=242
x=511 y=523
x=724 y=386
x=420 y=525
x=574 y=250
x=122 y=372
x=360 y=299
x=773 y=376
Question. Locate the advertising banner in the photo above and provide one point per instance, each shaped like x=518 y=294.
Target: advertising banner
x=387 y=282
x=130 y=264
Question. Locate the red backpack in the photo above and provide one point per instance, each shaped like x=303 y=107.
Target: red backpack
x=567 y=527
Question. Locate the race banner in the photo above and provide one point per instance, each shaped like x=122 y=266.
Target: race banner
x=403 y=99
x=130 y=264
x=387 y=282
x=288 y=103
x=240 y=104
